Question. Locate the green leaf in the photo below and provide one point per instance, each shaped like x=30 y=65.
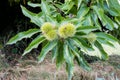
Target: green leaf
x=38 y=20
x=117 y=19
x=27 y=13
x=60 y=56
x=34 y=44
x=67 y=54
x=68 y=1
x=69 y=60
x=85 y=44
x=112 y=50
x=80 y=34
x=71 y=45
x=83 y=63
x=50 y=19
x=35 y=18
x=79 y=59
x=73 y=11
x=45 y=7
x=69 y=69
x=75 y=21
x=67 y=6
x=83 y=11
x=110 y=23
x=100 y=14
x=106 y=36
x=95 y=20
x=79 y=44
x=21 y=35
x=79 y=3
x=88 y=20
x=115 y=4
x=59 y=17
x=104 y=54
x=86 y=29
x=49 y=46
x=111 y=10
x=34 y=4
x=104 y=41
x=54 y=53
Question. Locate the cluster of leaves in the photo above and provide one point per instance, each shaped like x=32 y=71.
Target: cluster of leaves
x=90 y=19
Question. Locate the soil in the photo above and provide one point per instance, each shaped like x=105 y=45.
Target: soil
x=31 y=70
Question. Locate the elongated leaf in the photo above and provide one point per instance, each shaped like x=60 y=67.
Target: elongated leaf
x=69 y=69
x=84 y=43
x=67 y=55
x=86 y=29
x=112 y=50
x=104 y=41
x=79 y=59
x=79 y=44
x=104 y=54
x=34 y=4
x=80 y=34
x=95 y=20
x=26 y=12
x=106 y=36
x=83 y=11
x=115 y=4
x=117 y=19
x=79 y=3
x=49 y=46
x=110 y=23
x=83 y=63
x=67 y=1
x=35 y=18
x=73 y=20
x=96 y=52
x=34 y=44
x=67 y=6
x=111 y=10
x=71 y=45
x=45 y=7
x=60 y=56
x=21 y=35
x=100 y=14
x=54 y=53
x=69 y=61
x=70 y=6
x=59 y=17
x=88 y=20
x=50 y=19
